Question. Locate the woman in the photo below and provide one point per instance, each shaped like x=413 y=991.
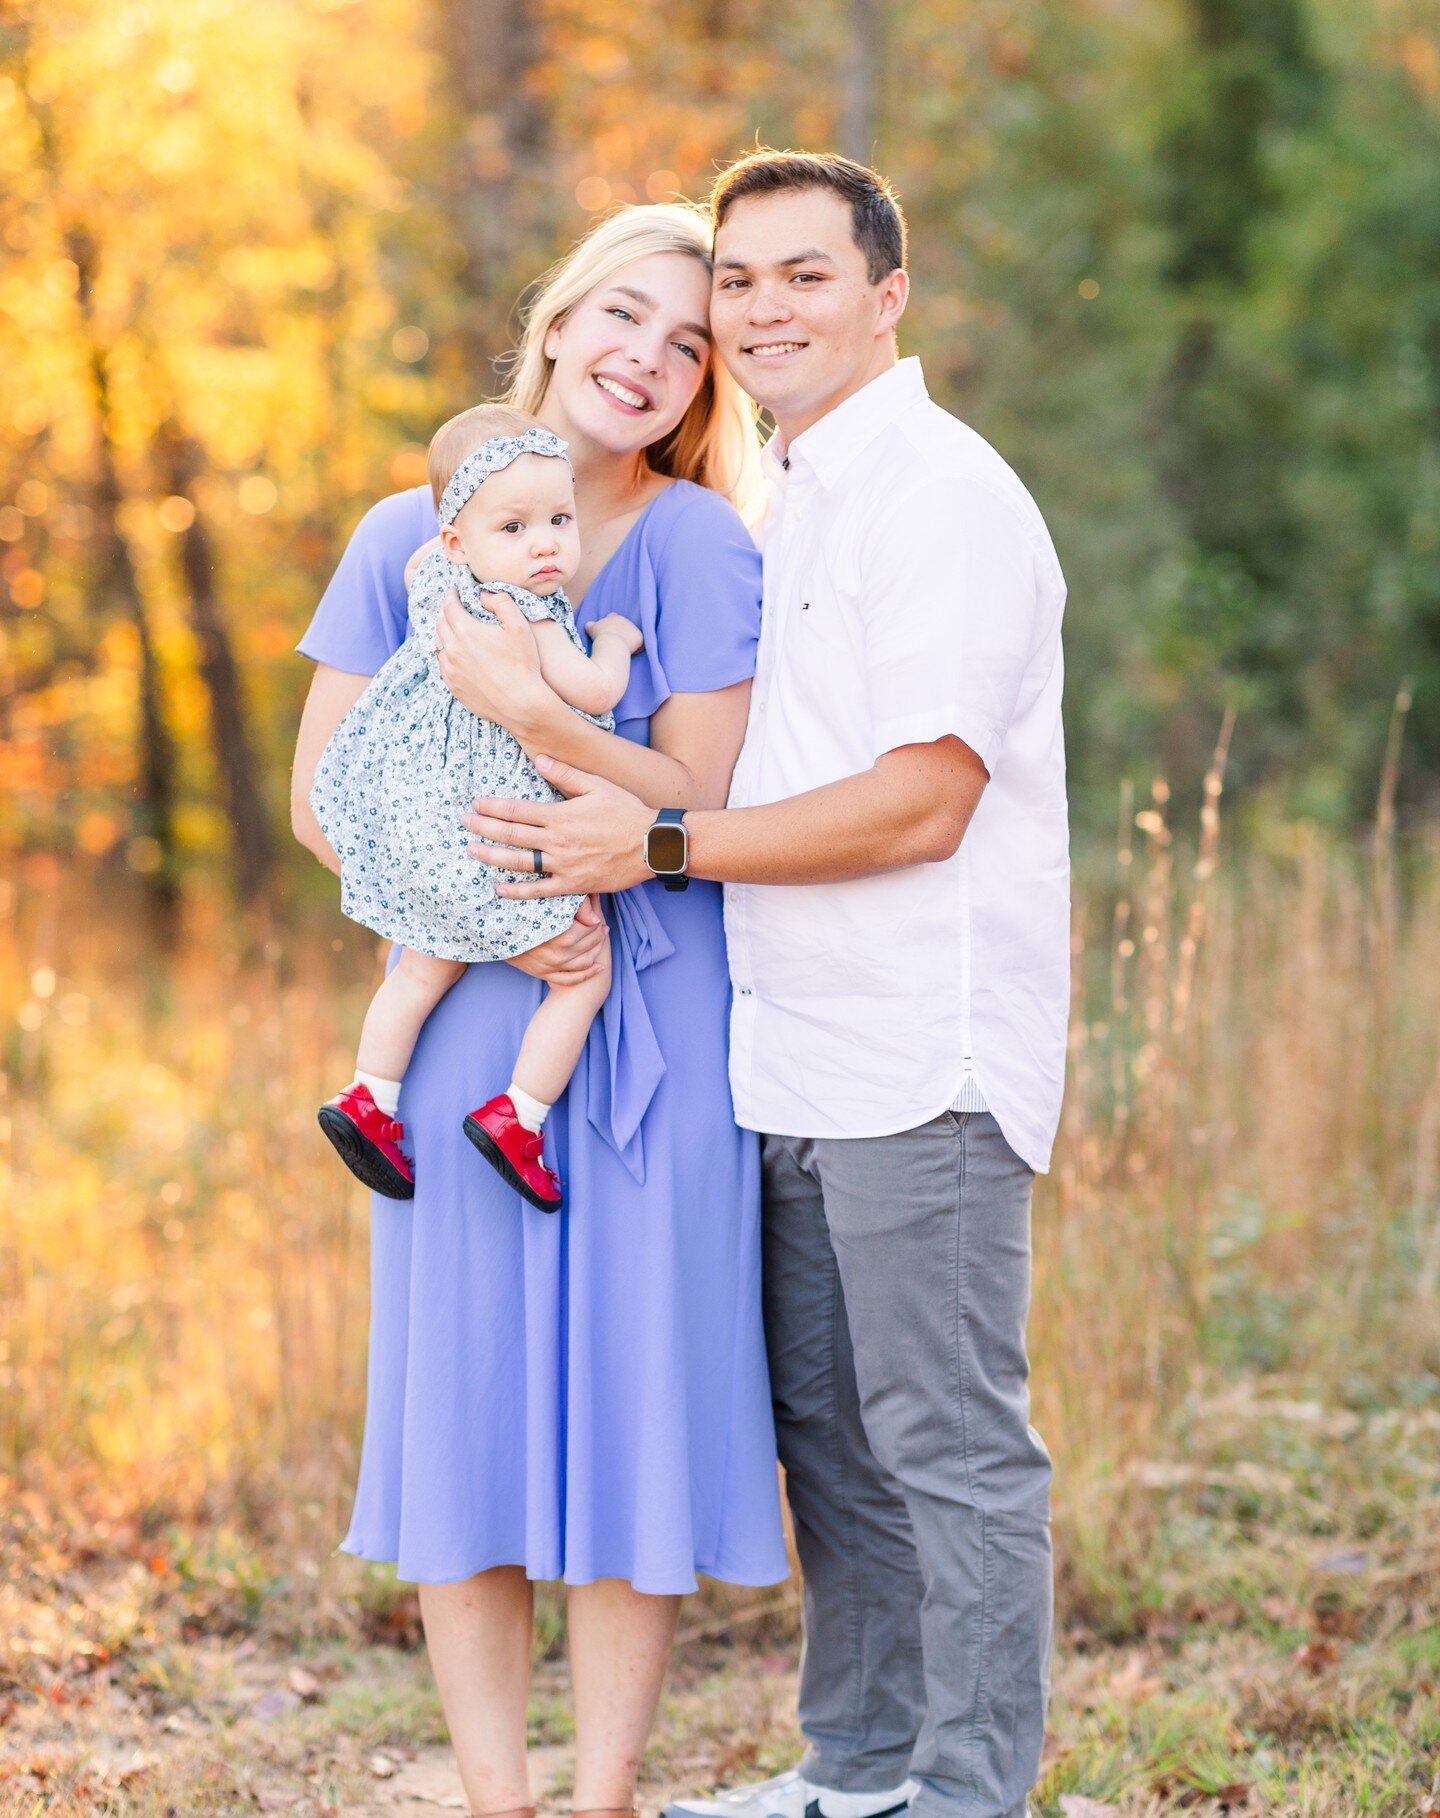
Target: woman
x=584 y=1396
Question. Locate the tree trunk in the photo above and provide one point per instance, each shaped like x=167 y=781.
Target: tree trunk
x=251 y=847
x=117 y=586
x=500 y=194
x=860 y=82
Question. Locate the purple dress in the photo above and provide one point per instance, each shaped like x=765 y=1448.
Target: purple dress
x=583 y=1394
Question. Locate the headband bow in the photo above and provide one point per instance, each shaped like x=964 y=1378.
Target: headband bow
x=490 y=457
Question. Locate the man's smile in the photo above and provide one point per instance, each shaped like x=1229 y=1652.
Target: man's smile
x=773 y=350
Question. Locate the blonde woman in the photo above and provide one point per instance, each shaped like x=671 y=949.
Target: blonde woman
x=581 y=1397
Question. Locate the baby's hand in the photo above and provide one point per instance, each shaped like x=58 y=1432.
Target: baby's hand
x=419 y=556
x=616 y=625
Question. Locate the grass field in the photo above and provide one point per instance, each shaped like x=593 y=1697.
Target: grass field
x=1235 y=1340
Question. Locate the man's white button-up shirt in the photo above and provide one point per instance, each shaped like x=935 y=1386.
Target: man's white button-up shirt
x=911 y=592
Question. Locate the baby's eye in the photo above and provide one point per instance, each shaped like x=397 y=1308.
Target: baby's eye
x=513 y=528
x=561 y=517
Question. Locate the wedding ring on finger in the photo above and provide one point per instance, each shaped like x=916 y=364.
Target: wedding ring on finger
x=539 y=857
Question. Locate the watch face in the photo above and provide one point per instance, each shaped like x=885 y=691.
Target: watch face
x=665 y=847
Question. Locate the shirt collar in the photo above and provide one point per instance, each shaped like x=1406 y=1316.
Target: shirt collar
x=827 y=448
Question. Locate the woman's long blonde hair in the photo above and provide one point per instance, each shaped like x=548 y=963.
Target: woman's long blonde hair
x=716 y=443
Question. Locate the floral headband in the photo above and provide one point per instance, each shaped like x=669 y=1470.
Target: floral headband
x=489 y=458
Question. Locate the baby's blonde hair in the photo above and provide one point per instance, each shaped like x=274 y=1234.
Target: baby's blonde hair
x=464 y=433
x=715 y=443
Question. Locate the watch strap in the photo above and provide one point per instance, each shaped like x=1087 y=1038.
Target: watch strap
x=674 y=880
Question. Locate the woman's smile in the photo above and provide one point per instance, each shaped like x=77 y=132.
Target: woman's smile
x=627 y=396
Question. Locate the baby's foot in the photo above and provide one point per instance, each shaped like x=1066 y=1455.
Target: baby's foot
x=515 y=1152
x=368 y=1142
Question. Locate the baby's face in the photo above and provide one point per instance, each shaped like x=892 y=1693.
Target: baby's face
x=519 y=526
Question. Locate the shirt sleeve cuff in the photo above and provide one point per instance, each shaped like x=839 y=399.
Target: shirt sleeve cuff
x=318 y=651
x=925 y=726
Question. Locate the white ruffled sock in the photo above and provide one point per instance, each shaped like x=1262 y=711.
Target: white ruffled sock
x=385 y=1092
x=530 y=1111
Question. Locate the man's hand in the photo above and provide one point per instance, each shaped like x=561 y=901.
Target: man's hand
x=494 y=670
x=572 y=957
x=593 y=842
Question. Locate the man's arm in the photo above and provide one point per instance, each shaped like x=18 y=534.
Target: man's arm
x=910 y=808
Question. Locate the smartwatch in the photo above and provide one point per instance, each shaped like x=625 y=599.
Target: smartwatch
x=667 y=848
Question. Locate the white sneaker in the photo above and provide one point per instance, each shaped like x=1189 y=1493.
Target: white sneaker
x=792 y=1796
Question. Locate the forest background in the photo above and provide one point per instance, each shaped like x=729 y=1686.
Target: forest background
x=1180 y=261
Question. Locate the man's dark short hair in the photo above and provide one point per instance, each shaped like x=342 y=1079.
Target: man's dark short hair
x=878 y=224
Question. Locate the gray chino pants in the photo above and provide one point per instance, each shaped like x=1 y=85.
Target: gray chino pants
x=897 y=1282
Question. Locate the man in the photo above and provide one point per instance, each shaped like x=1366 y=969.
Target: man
x=897 y=919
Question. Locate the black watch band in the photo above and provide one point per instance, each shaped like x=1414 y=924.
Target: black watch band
x=679 y=878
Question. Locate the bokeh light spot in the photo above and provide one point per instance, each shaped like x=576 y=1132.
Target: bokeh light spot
x=176 y=513
x=28 y=588
x=410 y=344
x=592 y=193
x=407 y=465
x=62 y=278
x=258 y=494
x=1088 y=289
x=176 y=75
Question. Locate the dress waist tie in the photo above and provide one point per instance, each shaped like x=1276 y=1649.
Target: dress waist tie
x=622 y=1087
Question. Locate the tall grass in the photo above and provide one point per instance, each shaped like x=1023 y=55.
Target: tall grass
x=1245 y=1185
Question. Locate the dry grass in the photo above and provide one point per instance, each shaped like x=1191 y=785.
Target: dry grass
x=1235 y=1338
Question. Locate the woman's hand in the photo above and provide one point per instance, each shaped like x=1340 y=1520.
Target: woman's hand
x=494 y=670
x=572 y=957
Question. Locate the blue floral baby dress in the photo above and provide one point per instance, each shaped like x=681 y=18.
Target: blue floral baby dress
x=402 y=767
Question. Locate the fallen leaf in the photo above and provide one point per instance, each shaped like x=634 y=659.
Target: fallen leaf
x=381 y=1766
x=304 y=1684
x=1130 y=1683
x=1076 y=1805
x=1315 y=1656
x=1343 y=1562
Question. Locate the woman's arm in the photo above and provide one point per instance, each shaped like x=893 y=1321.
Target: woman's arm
x=694 y=742
x=333 y=692
x=494 y=670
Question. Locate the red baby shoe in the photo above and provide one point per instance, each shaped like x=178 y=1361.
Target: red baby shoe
x=515 y=1152
x=368 y=1142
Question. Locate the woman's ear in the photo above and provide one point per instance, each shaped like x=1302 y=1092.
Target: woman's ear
x=550 y=346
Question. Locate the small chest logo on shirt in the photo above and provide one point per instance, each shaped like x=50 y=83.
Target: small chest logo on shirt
x=804 y=605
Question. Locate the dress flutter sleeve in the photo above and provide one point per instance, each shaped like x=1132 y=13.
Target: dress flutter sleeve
x=361 y=619
x=708 y=575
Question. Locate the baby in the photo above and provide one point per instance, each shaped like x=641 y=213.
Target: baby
x=408 y=760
